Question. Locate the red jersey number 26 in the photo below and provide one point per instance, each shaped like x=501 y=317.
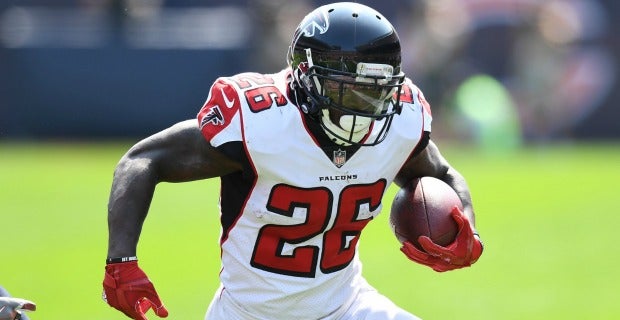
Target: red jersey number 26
x=338 y=241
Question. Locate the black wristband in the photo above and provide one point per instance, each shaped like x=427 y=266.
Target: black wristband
x=121 y=259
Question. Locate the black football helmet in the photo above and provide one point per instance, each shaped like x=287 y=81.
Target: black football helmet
x=346 y=59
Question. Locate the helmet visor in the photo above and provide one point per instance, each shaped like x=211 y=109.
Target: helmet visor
x=363 y=96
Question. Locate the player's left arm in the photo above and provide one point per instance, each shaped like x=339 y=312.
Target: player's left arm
x=467 y=247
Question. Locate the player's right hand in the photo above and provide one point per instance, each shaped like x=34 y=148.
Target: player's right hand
x=127 y=288
x=462 y=252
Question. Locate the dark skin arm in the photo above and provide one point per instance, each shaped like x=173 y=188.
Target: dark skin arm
x=430 y=162
x=180 y=153
x=177 y=154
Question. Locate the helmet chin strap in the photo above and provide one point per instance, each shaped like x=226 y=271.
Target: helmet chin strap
x=353 y=127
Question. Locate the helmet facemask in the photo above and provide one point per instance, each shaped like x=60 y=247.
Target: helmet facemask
x=350 y=102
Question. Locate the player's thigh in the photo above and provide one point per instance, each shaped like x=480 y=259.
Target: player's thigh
x=371 y=305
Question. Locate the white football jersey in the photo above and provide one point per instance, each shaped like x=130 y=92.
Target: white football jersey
x=291 y=224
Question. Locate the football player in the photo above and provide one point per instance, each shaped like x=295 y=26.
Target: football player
x=11 y=308
x=304 y=157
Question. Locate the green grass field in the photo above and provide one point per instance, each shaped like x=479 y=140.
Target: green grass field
x=549 y=216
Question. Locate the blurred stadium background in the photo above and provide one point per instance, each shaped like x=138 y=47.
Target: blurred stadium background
x=525 y=99
x=125 y=68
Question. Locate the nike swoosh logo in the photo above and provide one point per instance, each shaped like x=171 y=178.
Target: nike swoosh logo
x=229 y=103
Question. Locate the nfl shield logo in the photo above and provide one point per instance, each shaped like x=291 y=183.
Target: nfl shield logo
x=340 y=157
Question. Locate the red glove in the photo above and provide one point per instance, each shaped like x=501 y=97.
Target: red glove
x=463 y=252
x=127 y=288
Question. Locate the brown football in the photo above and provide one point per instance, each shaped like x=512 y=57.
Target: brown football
x=422 y=208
